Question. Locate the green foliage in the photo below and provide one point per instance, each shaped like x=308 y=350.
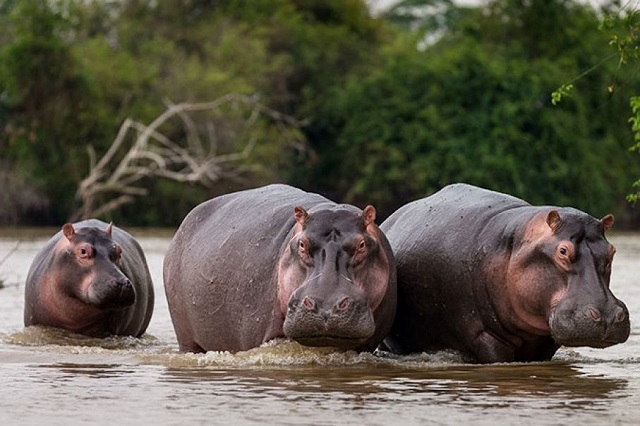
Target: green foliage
x=469 y=108
x=623 y=27
x=73 y=70
x=635 y=127
x=49 y=101
x=396 y=107
x=562 y=92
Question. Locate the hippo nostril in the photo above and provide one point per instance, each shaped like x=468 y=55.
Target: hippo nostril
x=343 y=304
x=620 y=315
x=594 y=313
x=308 y=303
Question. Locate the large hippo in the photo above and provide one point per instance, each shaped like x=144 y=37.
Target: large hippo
x=254 y=265
x=500 y=280
x=90 y=278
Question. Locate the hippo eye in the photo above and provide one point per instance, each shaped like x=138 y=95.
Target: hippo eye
x=360 y=252
x=85 y=252
x=303 y=249
x=303 y=252
x=566 y=252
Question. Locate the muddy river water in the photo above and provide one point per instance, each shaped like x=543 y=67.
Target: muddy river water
x=49 y=377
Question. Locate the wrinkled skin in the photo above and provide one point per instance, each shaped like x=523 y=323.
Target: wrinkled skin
x=254 y=265
x=500 y=280
x=90 y=278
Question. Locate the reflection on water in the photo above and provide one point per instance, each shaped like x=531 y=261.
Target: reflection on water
x=549 y=393
x=52 y=376
x=286 y=379
x=557 y=381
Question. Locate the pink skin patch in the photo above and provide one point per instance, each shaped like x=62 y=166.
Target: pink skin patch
x=540 y=271
x=375 y=273
x=86 y=288
x=290 y=276
x=535 y=285
x=63 y=296
x=62 y=308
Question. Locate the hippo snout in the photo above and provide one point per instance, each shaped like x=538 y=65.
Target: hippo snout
x=113 y=293
x=590 y=325
x=344 y=322
x=127 y=292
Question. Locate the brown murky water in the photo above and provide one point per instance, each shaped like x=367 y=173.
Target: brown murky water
x=49 y=377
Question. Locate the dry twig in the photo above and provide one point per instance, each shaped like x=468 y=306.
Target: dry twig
x=116 y=178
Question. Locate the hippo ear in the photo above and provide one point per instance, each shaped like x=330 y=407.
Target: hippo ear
x=108 y=230
x=607 y=222
x=69 y=232
x=553 y=220
x=300 y=214
x=369 y=215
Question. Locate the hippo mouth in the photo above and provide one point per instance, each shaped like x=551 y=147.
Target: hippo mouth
x=598 y=344
x=109 y=296
x=595 y=342
x=331 y=341
x=317 y=332
x=576 y=330
x=345 y=325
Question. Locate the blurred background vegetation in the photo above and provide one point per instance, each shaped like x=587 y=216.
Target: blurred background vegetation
x=395 y=104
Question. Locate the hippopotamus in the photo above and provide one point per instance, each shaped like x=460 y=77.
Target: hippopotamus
x=91 y=278
x=273 y=262
x=500 y=280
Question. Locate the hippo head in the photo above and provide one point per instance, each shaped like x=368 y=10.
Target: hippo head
x=567 y=275
x=92 y=268
x=333 y=277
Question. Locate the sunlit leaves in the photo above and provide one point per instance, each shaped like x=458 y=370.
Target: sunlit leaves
x=561 y=92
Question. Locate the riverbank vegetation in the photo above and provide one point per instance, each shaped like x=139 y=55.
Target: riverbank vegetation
x=391 y=106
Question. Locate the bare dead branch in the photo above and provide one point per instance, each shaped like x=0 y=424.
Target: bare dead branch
x=140 y=152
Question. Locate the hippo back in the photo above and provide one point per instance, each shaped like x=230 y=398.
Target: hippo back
x=440 y=239
x=499 y=279
x=250 y=266
x=454 y=214
x=234 y=238
x=428 y=236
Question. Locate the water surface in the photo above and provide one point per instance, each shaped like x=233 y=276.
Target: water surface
x=48 y=376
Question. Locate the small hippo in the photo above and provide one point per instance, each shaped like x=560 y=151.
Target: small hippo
x=90 y=278
x=500 y=280
x=254 y=265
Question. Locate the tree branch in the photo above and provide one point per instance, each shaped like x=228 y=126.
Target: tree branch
x=140 y=152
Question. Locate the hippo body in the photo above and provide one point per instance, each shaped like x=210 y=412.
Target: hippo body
x=499 y=280
x=254 y=265
x=90 y=278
